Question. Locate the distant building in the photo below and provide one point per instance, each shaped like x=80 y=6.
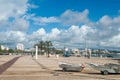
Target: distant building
x=20 y=46
x=76 y=52
x=4 y=47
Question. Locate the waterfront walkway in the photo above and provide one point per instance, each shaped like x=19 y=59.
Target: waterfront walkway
x=44 y=68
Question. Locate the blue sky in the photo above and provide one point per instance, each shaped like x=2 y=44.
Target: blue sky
x=97 y=9
x=67 y=23
x=57 y=7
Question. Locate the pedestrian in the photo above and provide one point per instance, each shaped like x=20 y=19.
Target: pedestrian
x=32 y=55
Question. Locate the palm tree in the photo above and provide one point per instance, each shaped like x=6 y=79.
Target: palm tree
x=44 y=45
x=40 y=45
x=48 y=45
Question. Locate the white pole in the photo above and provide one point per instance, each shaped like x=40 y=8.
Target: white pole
x=36 y=54
x=86 y=45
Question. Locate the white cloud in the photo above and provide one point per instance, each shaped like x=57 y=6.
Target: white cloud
x=45 y=20
x=108 y=27
x=14 y=21
x=63 y=37
x=113 y=42
x=75 y=35
x=69 y=18
x=12 y=37
x=38 y=35
x=12 y=13
x=19 y=25
x=48 y=20
x=74 y=17
x=105 y=20
x=33 y=6
x=55 y=34
x=12 y=8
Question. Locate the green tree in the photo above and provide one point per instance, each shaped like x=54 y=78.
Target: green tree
x=44 y=45
x=48 y=45
x=59 y=51
x=40 y=45
x=0 y=49
x=11 y=51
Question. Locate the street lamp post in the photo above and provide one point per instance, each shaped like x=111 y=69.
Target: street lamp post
x=36 y=54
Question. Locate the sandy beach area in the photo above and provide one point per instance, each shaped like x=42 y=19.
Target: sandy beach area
x=44 y=68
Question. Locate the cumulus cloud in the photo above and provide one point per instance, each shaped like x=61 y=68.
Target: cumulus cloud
x=55 y=34
x=38 y=35
x=11 y=38
x=14 y=22
x=12 y=8
x=19 y=24
x=44 y=20
x=105 y=20
x=108 y=27
x=12 y=15
x=75 y=35
x=70 y=17
x=114 y=41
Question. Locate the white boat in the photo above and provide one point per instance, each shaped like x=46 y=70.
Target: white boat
x=106 y=68
x=71 y=67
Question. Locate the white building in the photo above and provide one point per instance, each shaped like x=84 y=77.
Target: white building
x=76 y=52
x=4 y=47
x=20 y=46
